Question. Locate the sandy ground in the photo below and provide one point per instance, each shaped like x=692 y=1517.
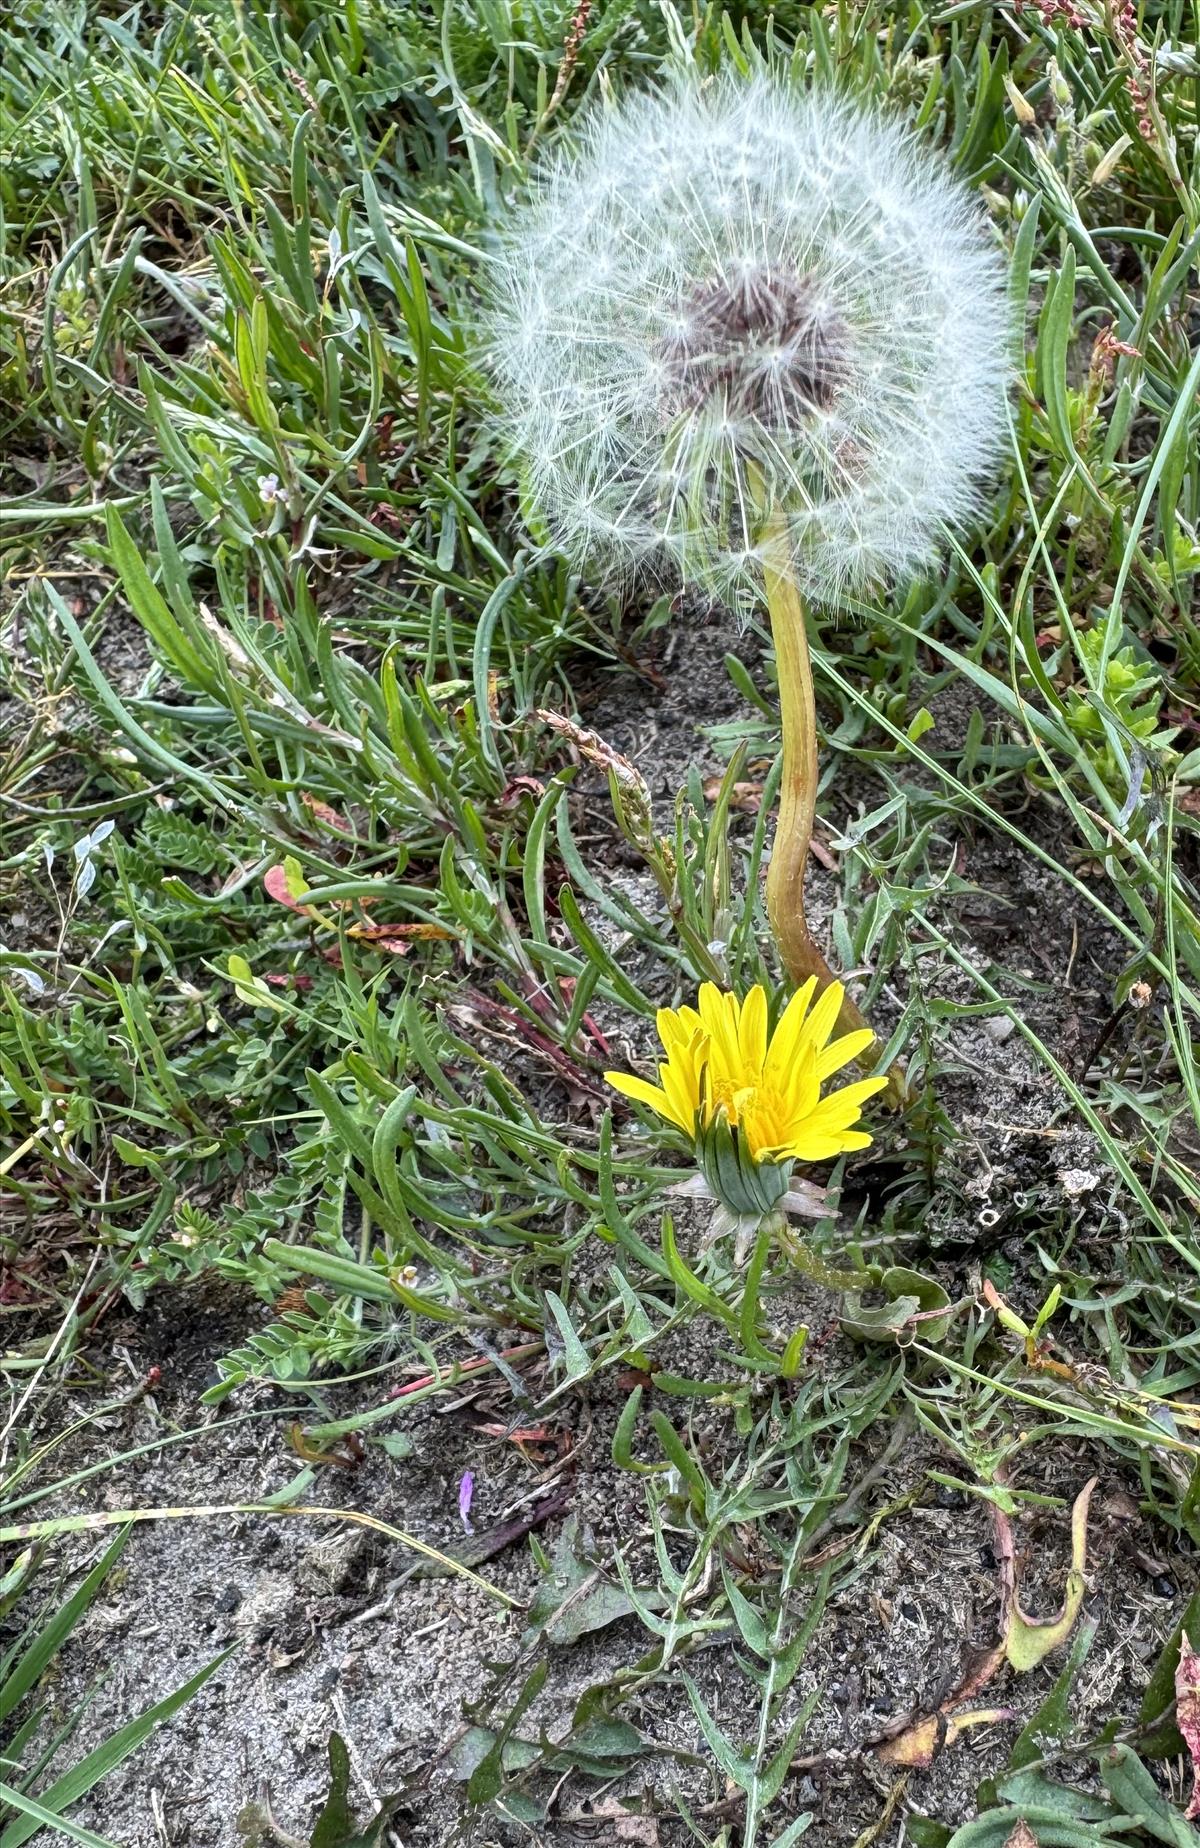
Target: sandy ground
x=328 y=1625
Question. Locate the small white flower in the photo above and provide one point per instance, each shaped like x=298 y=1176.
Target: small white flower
x=743 y=297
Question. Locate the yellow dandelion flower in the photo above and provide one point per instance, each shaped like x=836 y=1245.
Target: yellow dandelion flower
x=726 y=1079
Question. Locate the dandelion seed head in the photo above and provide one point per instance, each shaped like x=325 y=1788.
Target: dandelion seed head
x=729 y=298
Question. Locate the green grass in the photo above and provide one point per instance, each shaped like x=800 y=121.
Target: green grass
x=270 y=610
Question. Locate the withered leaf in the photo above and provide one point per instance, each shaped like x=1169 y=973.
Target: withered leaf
x=921 y=1743
x=1187 y=1714
x=1027 y=1640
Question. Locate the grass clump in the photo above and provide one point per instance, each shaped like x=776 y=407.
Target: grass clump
x=351 y=836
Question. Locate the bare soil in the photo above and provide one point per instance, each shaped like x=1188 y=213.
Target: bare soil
x=331 y=1633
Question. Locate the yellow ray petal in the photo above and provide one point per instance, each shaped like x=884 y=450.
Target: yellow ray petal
x=643 y=1092
x=759 y=1129
x=720 y=1014
x=835 y=1114
x=821 y=1145
x=854 y=1094
x=676 y=1026
x=800 y=1092
x=681 y=1085
x=841 y=1051
x=823 y=1019
x=786 y=1038
x=669 y=1029
x=752 y=1031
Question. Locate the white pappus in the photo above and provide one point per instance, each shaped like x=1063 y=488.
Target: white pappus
x=743 y=299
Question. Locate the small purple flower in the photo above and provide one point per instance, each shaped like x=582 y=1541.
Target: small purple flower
x=466 y=1490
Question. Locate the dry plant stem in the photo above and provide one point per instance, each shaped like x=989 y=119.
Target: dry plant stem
x=798 y=790
x=798 y=784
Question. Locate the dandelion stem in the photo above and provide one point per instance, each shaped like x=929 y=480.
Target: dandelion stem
x=798 y=950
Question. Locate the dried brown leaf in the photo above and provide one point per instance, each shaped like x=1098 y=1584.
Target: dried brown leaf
x=920 y=1744
x=637 y=1831
x=746 y=797
x=1187 y=1713
x=323 y=812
